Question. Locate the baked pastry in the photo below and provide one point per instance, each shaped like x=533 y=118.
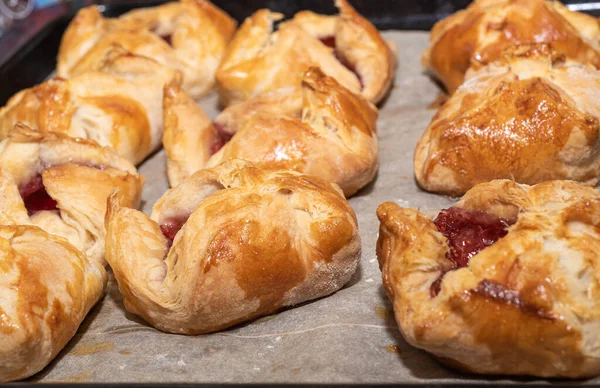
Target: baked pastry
x=120 y=105
x=505 y=282
x=189 y=35
x=530 y=117
x=346 y=47
x=61 y=185
x=478 y=35
x=320 y=129
x=47 y=289
x=230 y=244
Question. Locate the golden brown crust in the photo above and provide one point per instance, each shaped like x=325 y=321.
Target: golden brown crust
x=260 y=60
x=321 y=130
x=198 y=34
x=526 y=305
x=78 y=174
x=47 y=288
x=478 y=35
x=189 y=135
x=120 y=105
x=255 y=240
x=530 y=117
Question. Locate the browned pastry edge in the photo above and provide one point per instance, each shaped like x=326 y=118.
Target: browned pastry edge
x=48 y=288
x=320 y=129
x=478 y=35
x=253 y=241
x=521 y=306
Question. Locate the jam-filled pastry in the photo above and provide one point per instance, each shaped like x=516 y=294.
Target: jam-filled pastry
x=230 y=244
x=505 y=282
x=320 y=129
x=530 y=117
x=347 y=47
x=47 y=289
x=190 y=36
x=478 y=35
x=62 y=184
x=120 y=105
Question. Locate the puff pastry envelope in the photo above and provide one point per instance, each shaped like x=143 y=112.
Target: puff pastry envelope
x=530 y=117
x=189 y=36
x=346 y=47
x=47 y=288
x=505 y=282
x=120 y=105
x=230 y=244
x=476 y=36
x=321 y=129
x=62 y=184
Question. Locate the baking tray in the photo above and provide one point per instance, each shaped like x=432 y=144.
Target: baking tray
x=348 y=337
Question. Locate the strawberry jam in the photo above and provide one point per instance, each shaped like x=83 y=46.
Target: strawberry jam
x=329 y=41
x=35 y=197
x=223 y=137
x=170 y=228
x=468 y=232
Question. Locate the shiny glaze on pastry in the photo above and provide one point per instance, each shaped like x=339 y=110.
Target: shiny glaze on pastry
x=320 y=129
x=528 y=304
x=69 y=180
x=47 y=289
x=190 y=36
x=230 y=244
x=346 y=47
x=120 y=105
x=478 y=35
x=530 y=117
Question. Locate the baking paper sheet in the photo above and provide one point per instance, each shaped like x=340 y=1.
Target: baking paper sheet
x=350 y=336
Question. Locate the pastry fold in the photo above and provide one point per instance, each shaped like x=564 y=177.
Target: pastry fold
x=118 y=105
x=531 y=116
x=528 y=304
x=320 y=129
x=478 y=35
x=61 y=185
x=188 y=35
x=230 y=244
x=346 y=47
x=47 y=289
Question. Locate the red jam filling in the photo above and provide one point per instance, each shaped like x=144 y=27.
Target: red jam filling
x=223 y=137
x=35 y=196
x=170 y=229
x=329 y=41
x=468 y=232
x=167 y=38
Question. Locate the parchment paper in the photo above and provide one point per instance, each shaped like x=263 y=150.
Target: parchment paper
x=350 y=336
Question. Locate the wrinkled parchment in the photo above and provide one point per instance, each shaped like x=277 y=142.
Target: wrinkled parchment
x=350 y=336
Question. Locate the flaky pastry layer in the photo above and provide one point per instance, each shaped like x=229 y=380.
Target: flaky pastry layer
x=47 y=288
x=188 y=35
x=320 y=129
x=260 y=60
x=526 y=305
x=530 y=116
x=119 y=105
x=78 y=174
x=251 y=241
x=478 y=35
